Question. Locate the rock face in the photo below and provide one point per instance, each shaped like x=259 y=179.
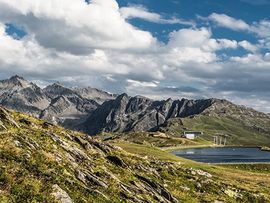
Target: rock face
x=66 y=107
x=140 y=114
x=17 y=93
x=55 y=103
x=95 y=94
x=95 y=111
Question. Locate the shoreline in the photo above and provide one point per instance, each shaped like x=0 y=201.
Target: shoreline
x=172 y=149
x=239 y=163
x=175 y=148
x=266 y=149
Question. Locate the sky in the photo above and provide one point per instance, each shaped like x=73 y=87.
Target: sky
x=156 y=48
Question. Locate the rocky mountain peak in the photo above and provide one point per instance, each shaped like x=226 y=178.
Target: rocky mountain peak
x=140 y=113
x=99 y=96
x=15 y=82
x=16 y=77
x=57 y=89
x=56 y=100
x=123 y=96
x=20 y=81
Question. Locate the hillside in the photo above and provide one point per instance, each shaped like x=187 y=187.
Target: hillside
x=214 y=117
x=40 y=162
x=238 y=124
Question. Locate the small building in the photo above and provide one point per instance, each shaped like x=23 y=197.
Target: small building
x=192 y=134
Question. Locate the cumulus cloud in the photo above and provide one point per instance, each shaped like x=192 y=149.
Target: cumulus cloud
x=94 y=44
x=74 y=26
x=139 y=11
x=248 y=46
x=261 y=28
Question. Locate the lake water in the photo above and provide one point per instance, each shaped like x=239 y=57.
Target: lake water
x=225 y=155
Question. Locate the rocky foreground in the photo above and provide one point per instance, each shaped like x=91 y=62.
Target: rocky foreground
x=40 y=162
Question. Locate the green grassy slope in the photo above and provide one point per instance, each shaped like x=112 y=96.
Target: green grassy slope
x=40 y=162
x=236 y=132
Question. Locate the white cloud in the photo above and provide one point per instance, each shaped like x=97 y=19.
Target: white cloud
x=199 y=38
x=261 y=28
x=228 y=22
x=74 y=26
x=136 y=84
x=248 y=46
x=138 y=11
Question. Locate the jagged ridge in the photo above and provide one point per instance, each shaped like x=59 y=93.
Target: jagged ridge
x=140 y=114
x=55 y=103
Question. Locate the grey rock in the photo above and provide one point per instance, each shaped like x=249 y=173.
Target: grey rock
x=55 y=103
x=89 y=178
x=6 y=118
x=140 y=114
x=61 y=195
x=95 y=94
x=116 y=160
x=84 y=143
x=161 y=193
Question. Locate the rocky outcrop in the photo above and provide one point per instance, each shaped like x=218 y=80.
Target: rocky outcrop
x=6 y=119
x=61 y=195
x=140 y=114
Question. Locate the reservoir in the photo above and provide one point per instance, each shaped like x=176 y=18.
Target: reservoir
x=225 y=155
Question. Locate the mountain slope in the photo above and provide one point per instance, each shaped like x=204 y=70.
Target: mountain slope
x=40 y=162
x=19 y=94
x=66 y=108
x=95 y=94
x=238 y=124
x=140 y=114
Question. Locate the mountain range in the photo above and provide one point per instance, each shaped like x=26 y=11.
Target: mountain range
x=55 y=103
x=95 y=111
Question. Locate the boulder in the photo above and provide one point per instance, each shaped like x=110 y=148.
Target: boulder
x=61 y=195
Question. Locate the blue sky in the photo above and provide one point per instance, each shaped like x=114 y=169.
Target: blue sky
x=190 y=10
x=156 y=48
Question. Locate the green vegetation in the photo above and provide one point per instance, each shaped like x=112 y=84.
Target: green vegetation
x=235 y=131
x=40 y=162
x=262 y=168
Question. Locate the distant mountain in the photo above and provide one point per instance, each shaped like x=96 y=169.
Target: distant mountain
x=17 y=93
x=239 y=125
x=140 y=114
x=215 y=117
x=95 y=111
x=95 y=94
x=56 y=103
